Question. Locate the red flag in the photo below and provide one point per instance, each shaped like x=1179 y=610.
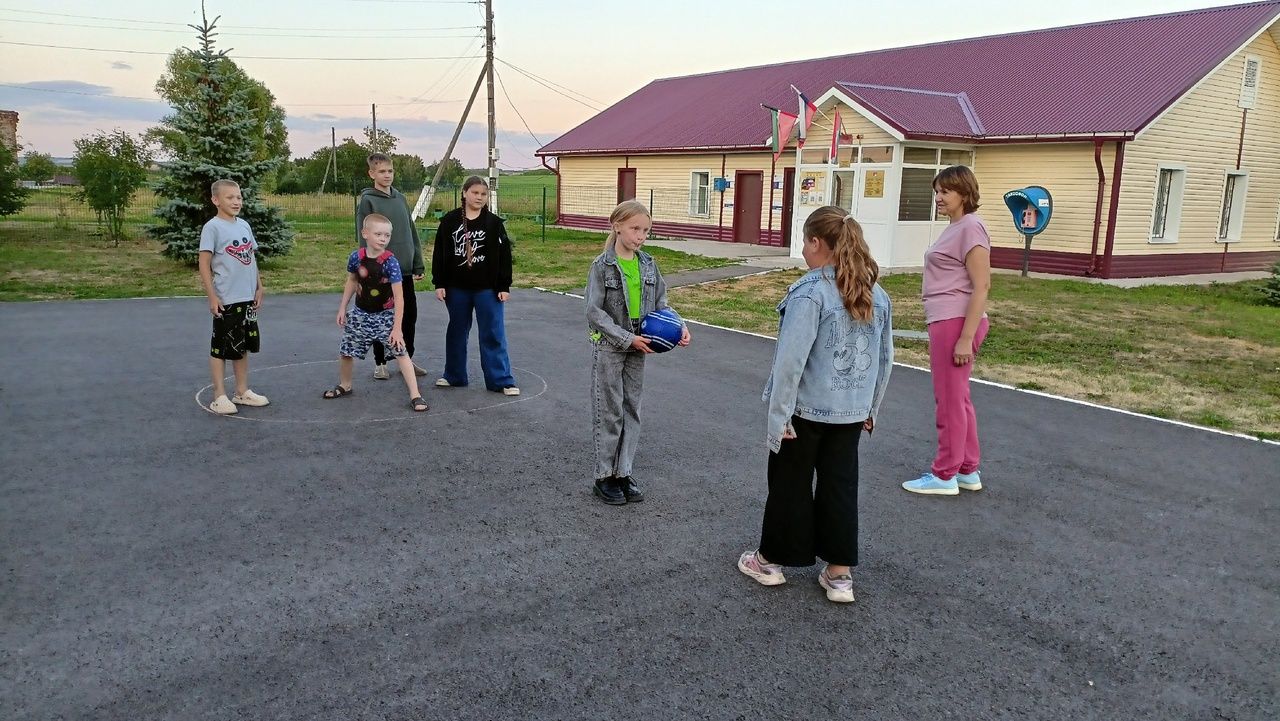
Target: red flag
x=807 y=111
x=783 y=122
x=835 y=137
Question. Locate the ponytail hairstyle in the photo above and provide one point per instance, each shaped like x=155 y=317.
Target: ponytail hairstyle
x=626 y=210
x=474 y=180
x=856 y=270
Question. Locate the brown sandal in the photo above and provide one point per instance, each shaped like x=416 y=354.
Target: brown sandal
x=337 y=392
x=418 y=404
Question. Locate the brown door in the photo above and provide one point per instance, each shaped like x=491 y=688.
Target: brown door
x=748 y=193
x=627 y=184
x=788 y=195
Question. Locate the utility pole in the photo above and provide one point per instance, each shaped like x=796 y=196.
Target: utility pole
x=429 y=190
x=493 y=147
x=333 y=135
x=373 y=142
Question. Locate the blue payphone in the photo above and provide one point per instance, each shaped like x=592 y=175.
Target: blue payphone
x=1032 y=207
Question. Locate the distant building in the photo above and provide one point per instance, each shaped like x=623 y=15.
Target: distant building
x=9 y=129
x=1157 y=137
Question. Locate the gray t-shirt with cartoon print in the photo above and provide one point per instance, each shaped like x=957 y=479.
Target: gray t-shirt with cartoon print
x=235 y=268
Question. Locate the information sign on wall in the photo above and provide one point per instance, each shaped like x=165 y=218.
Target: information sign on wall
x=873 y=184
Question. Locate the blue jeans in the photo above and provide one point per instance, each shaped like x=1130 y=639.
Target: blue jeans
x=493 y=337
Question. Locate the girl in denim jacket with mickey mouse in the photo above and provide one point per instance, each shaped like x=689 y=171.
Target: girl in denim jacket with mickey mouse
x=623 y=286
x=830 y=370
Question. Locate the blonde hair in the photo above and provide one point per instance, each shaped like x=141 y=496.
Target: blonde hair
x=626 y=210
x=375 y=218
x=856 y=270
x=218 y=185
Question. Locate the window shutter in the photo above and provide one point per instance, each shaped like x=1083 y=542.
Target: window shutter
x=1249 y=84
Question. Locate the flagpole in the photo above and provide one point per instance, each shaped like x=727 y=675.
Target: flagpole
x=773 y=166
x=795 y=204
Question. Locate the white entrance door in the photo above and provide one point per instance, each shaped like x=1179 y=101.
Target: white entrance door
x=872 y=207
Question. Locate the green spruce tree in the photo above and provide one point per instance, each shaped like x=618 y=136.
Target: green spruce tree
x=212 y=137
x=1271 y=287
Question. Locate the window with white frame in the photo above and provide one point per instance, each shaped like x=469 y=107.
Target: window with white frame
x=1166 y=216
x=919 y=166
x=1231 y=219
x=700 y=193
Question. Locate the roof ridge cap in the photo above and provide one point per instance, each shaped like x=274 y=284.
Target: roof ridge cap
x=1035 y=31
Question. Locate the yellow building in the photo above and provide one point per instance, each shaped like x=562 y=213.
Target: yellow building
x=1158 y=138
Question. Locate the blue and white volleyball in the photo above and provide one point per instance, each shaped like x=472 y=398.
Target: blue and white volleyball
x=663 y=328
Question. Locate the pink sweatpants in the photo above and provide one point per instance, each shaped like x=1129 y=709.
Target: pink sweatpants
x=958 y=450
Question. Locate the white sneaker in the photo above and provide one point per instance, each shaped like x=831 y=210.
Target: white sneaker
x=442 y=383
x=223 y=406
x=249 y=398
x=839 y=588
x=380 y=372
x=510 y=391
x=766 y=574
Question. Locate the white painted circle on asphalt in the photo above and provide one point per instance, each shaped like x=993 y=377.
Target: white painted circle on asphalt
x=406 y=414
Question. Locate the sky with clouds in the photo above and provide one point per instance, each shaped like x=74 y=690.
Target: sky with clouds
x=76 y=66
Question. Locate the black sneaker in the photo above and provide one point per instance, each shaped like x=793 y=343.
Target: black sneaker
x=606 y=489
x=630 y=489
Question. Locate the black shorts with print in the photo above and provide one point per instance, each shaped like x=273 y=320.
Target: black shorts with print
x=236 y=332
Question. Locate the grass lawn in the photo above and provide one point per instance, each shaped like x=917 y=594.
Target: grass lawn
x=57 y=264
x=1204 y=354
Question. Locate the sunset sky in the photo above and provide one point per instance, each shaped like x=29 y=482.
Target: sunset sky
x=327 y=60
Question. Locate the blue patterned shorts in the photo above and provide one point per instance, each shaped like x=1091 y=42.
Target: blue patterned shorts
x=363 y=328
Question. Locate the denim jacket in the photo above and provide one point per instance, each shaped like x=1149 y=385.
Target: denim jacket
x=827 y=366
x=607 y=313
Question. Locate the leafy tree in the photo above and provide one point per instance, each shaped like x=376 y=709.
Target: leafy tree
x=411 y=174
x=179 y=81
x=386 y=141
x=38 y=167
x=453 y=174
x=13 y=197
x=111 y=167
x=1271 y=288
x=212 y=136
x=306 y=175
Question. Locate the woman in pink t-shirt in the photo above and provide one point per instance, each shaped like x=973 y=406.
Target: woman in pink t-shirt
x=957 y=278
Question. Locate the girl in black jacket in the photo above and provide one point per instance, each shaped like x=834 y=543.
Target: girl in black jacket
x=471 y=270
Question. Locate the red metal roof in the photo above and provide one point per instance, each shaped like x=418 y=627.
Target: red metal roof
x=1100 y=78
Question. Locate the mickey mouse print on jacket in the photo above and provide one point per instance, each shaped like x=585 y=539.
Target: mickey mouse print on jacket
x=827 y=367
x=234 y=263
x=473 y=254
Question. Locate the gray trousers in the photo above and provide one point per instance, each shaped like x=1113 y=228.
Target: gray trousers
x=617 y=378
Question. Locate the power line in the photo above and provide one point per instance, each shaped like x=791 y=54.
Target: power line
x=240 y=57
x=446 y=73
x=158 y=99
x=341 y=34
x=552 y=89
x=539 y=77
x=77 y=92
x=507 y=95
x=239 y=27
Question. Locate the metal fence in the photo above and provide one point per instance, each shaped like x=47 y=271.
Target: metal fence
x=53 y=213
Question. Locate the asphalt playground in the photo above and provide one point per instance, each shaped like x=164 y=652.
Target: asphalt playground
x=352 y=560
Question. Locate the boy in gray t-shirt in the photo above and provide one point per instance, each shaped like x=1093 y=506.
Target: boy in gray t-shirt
x=229 y=273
